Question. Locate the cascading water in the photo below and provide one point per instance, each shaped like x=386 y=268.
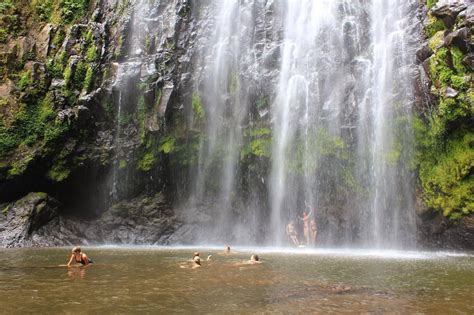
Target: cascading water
x=298 y=105
x=355 y=59
x=226 y=56
x=392 y=196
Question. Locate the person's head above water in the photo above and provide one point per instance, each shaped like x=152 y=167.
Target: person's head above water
x=196 y=259
x=254 y=258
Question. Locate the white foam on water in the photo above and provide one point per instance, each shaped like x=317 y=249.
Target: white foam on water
x=329 y=252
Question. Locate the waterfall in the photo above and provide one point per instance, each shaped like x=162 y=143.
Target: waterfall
x=225 y=54
x=298 y=106
x=345 y=82
x=393 y=222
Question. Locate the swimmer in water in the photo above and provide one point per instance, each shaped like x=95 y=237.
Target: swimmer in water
x=226 y=251
x=254 y=260
x=196 y=261
x=79 y=257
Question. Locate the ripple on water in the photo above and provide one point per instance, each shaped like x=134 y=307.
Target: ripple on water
x=148 y=279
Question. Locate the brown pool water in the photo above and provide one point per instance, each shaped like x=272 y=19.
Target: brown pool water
x=153 y=280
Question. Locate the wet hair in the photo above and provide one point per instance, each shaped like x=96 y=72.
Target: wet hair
x=255 y=257
x=76 y=249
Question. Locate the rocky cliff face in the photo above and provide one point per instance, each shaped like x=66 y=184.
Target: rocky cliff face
x=63 y=67
x=444 y=128
x=98 y=113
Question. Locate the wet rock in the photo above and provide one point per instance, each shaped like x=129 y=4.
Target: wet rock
x=448 y=11
x=26 y=48
x=58 y=84
x=465 y=18
x=423 y=53
x=127 y=73
x=43 y=40
x=460 y=38
x=450 y=92
x=37 y=71
x=21 y=219
x=469 y=61
x=439 y=232
x=34 y=220
x=7 y=88
x=271 y=58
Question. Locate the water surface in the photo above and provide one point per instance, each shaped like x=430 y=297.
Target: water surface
x=150 y=279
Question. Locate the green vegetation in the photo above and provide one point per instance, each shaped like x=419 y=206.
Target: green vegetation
x=43 y=9
x=89 y=79
x=233 y=83
x=59 y=172
x=75 y=75
x=122 y=164
x=258 y=143
x=119 y=49
x=170 y=44
x=446 y=172
x=198 y=110
x=6 y=209
x=434 y=26
x=91 y=55
x=147 y=44
x=167 y=144
x=445 y=135
x=182 y=149
x=9 y=15
x=147 y=162
x=122 y=6
x=141 y=116
x=73 y=10
x=24 y=80
x=19 y=166
x=33 y=125
x=431 y=3
x=262 y=102
x=60 y=12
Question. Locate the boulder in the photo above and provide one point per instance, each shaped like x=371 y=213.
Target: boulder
x=423 y=53
x=42 y=41
x=460 y=38
x=468 y=61
x=7 y=88
x=26 y=48
x=466 y=17
x=448 y=11
x=21 y=219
